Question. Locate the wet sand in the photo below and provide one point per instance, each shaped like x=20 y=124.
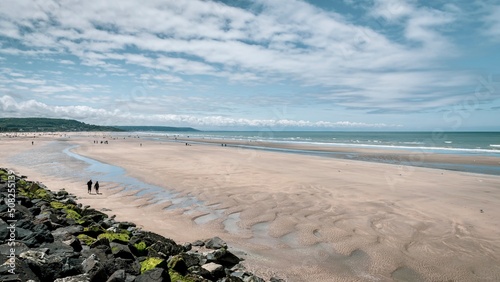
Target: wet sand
x=306 y=218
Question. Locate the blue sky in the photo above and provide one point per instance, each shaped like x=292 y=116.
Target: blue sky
x=265 y=64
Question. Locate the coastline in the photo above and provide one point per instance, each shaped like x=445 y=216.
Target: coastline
x=344 y=213
x=419 y=157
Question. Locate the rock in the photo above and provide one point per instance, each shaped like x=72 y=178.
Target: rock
x=198 y=243
x=274 y=279
x=228 y=259
x=22 y=233
x=65 y=233
x=100 y=242
x=58 y=248
x=76 y=278
x=40 y=235
x=117 y=276
x=25 y=223
x=216 y=270
x=125 y=225
x=94 y=269
x=121 y=251
x=166 y=246
x=154 y=275
x=71 y=266
x=46 y=267
x=74 y=243
x=131 y=266
x=215 y=243
x=177 y=263
x=230 y=279
x=253 y=279
x=198 y=270
x=22 y=273
x=187 y=247
x=18 y=247
x=35 y=256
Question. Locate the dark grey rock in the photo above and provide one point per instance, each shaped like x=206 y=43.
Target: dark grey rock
x=121 y=251
x=198 y=243
x=65 y=233
x=46 y=267
x=187 y=247
x=131 y=266
x=18 y=247
x=154 y=275
x=125 y=225
x=94 y=269
x=215 y=243
x=74 y=243
x=58 y=248
x=117 y=276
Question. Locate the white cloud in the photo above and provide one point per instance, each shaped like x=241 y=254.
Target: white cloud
x=492 y=22
x=30 y=81
x=66 y=62
x=282 y=40
x=12 y=108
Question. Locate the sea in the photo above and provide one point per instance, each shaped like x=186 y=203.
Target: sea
x=483 y=143
x=455 y=143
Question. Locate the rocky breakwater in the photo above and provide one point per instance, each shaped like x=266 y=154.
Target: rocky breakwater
x=48 y=236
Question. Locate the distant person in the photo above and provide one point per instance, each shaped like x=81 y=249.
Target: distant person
x=141 y=144
x=96 y=187
x=89 y=186
x=32 y=143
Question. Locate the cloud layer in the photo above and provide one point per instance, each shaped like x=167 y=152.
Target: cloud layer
x=12 y=108
x=393 y=57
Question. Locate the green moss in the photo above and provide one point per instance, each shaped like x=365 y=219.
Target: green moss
x=86 y=239
x=141 y=247
x=4 y=176
x=150 y=263
x=21 y=183
x=71 y=214
x=123 y=237
x=57 y=205
x=177 y=277
x=68 y=209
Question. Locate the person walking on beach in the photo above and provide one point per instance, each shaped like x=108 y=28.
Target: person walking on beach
x=89 y=186
x=96 y=187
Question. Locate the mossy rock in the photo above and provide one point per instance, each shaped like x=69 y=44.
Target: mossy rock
x=119 y=237
x=151 y=263
x=21 y=183
x=72 y=214
x=93 y=230
x=69 y=210
x=86 y=239
x=4 y=176
x=34 y=191
x=139 y=248
x=177 y=277
x=57 y=205
x=178 y=264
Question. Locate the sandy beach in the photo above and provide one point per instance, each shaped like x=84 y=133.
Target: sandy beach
x=302 y=217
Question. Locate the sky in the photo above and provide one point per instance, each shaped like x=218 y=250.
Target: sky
x=388 y=65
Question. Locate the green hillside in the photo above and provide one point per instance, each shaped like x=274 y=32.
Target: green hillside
x=48 y=124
